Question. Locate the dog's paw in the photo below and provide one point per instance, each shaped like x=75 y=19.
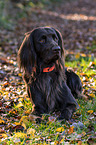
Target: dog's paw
x=67 y=113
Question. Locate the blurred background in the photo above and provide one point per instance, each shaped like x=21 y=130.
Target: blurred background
x=75 y=19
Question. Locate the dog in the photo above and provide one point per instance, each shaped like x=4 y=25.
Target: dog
x=50 y=86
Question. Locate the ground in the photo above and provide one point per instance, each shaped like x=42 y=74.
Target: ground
x=76 y=20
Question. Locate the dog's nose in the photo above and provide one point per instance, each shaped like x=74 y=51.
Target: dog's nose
x=56 y=48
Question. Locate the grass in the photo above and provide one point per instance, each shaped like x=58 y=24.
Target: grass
x=51 y=131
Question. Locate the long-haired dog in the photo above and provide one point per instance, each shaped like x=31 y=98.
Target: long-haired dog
x=50 y=85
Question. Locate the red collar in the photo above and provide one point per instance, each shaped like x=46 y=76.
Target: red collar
x=49 y=69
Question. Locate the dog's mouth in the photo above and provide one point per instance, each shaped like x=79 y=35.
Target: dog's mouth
x=56 y=56
x=52 y=58
x=53 y=55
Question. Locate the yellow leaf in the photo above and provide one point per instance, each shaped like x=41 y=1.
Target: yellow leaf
x=77 y=55
x=23 y=124
x=83 y=133
x=62 y=140
x=83 y=55
x=2 y=121
x=20 y=99
x=24 y=119
x=6 y=93
x=20 y=74
x=1 y=92
x=27 y=112
x=60 y=129
x=28 y=99
x=90 y=111
x=92 y=95
x=90 y=101
x=20 y=135
x=65 y=126
x=17 y=123
x=12 y=111
x=19 y=105
x=20 y=83
x=45 y=143
x=31 y=131
x=3 y=135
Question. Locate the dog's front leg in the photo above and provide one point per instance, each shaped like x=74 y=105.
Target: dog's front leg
x=38 y=101
x=68 y=103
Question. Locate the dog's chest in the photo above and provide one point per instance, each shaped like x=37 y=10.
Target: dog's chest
x=49 y=86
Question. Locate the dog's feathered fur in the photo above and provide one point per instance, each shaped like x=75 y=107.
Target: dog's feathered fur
x=43 y=48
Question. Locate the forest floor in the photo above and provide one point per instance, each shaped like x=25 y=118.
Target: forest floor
x=76 y=20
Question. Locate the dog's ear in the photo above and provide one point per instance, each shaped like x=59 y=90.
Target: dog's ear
x=26 y=54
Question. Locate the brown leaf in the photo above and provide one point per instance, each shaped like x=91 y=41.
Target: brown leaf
x=71 y=129
x=18 y=128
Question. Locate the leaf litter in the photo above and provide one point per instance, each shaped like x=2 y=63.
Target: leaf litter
x=79 y=34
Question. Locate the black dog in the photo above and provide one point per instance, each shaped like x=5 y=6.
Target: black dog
x=49 y=85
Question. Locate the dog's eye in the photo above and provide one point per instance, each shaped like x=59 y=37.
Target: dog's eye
x=42 y=41
x=55 y=38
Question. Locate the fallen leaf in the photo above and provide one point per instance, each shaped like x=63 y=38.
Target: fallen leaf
x=90 y=111
x=71 y=129
x=20 y=74
x=77 y=55
x=60 y=129
x=24 y=125
x=18 y=128
x=17 y=123
x=92 y=95
x=79 y=142
x=20 y=135
x=24 y=119
x=19 y=105
x=83 y=55
x=3 y=135
x=31 y=131
x=2 y=121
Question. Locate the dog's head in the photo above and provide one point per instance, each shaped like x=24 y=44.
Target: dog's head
x=43 y=45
